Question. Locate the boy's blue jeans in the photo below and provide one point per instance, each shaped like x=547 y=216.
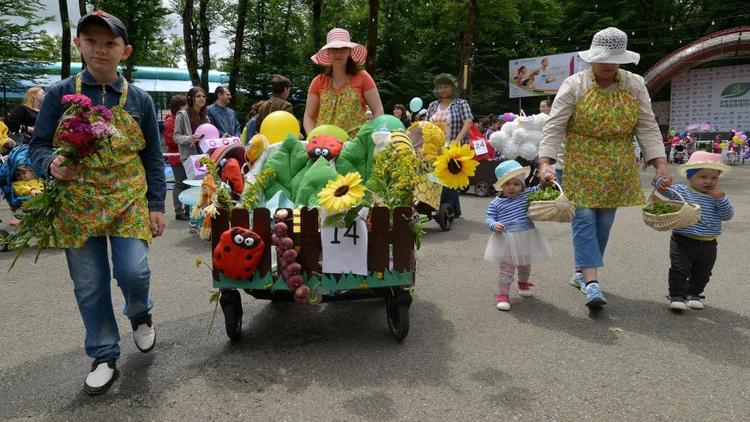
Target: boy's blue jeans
x=591 y=227
x=89 y=269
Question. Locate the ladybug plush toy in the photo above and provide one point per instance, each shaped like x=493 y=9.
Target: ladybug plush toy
x=238 y=253
x=324 y=146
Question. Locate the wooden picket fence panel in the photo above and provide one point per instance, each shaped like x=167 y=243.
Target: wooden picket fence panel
x=307 y=241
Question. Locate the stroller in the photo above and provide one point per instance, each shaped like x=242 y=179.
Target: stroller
x=18 y=156
x=679 y=153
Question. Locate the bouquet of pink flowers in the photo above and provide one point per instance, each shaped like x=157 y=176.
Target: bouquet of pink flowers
x=83 y=130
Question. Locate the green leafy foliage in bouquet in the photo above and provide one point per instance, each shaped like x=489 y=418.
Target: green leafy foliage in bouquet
x=211 y=167
x=660 y=209
x=394 y=175
x=253 y=194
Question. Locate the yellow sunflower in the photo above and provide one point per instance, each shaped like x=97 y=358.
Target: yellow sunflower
x=342 y=193
x=455 y=165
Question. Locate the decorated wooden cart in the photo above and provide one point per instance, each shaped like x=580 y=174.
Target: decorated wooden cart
x=391 y=263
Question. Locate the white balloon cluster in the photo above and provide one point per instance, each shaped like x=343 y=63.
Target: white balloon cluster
x=521 y=137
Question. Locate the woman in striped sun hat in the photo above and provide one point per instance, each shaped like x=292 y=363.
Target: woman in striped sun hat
x=339 y=95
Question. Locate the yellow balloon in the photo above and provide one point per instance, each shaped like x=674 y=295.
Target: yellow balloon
x=278 y=125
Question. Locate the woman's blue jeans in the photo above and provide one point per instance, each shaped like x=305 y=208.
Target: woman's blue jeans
x=591 y=227
x=89 y=269
x=450 y=196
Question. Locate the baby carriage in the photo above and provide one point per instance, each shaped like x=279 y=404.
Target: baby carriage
x=679 y=153
x=18 y=156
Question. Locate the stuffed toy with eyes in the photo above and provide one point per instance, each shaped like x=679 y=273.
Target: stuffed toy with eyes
x=324 y=146
x=238 y=253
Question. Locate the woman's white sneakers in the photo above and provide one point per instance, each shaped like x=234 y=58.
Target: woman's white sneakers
x=100 y=378
x=144 y=334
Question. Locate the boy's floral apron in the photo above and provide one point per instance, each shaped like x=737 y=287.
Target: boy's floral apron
x=600 y=166
x=110 y=200
x=341 y=108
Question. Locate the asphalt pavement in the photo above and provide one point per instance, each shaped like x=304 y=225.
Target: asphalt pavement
x=549 y=358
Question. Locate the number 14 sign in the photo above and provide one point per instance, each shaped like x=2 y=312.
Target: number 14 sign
x=345 y=250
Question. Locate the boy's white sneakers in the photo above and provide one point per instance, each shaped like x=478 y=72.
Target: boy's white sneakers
x=100 y=378
x=144 y=334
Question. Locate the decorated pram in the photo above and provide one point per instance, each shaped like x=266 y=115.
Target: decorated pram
x=391 y=265
x=319 y=221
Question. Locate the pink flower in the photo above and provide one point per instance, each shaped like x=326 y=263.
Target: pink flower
x=77 y=99
x=104 y=112
x=100 y=129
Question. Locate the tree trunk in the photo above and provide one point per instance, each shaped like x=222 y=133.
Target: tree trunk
x=129 y=64
x=65 y=53
x=191 y=55
x=239 y=44
x=82 y=10
x=317 y=10
x=261 y=27
x=467 y=48
x=205 y=43
x=372 y=37
x=287 y=16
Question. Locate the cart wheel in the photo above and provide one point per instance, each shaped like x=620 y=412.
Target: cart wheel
x=483 y=189
x=445 y=217
x=397 y=311
x=231 y=306
x=4 y=238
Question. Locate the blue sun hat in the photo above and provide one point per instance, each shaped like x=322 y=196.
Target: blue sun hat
x=509 y=170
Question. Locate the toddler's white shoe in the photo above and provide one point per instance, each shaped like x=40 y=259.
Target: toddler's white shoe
x=524 y=289
x=677 y=304
x=694 y=302
x=503 y=302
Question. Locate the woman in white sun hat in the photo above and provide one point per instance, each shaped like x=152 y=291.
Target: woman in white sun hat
x=596 y=111
x=340 y=95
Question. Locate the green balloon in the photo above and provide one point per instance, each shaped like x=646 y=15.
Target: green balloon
x=329 y=130
x=388 y=121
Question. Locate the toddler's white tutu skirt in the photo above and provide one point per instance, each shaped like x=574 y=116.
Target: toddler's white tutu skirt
x=518 y=248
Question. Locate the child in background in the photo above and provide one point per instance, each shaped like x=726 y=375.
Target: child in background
x=692 y=250
x=26 y=182
x=515 y=242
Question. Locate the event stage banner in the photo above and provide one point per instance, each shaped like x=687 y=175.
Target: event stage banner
x=719 y=96
x=542 y=76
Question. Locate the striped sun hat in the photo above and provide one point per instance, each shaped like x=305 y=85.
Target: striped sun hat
x=339 y=38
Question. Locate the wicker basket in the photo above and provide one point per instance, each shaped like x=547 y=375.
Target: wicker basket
x=561 y=210
x=687 y=215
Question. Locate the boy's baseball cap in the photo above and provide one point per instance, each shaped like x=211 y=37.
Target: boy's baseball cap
x=114 y=24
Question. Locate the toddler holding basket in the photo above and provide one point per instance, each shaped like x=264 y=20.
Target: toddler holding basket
x=515 y=242
x=692 y=249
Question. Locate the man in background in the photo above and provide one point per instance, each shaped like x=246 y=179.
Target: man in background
x=221 y=116
x=280 y=88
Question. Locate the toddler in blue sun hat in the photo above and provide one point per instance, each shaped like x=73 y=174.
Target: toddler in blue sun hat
x=515 y=242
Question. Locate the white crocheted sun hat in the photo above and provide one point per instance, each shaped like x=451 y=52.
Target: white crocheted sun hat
x=610 y=46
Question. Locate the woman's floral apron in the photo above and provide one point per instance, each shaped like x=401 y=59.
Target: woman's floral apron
x=341 y=108
x=600 y=166
x=110 y=198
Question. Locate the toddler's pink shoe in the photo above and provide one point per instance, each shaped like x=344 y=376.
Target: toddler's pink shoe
x=524 y=289
x=503 y=302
